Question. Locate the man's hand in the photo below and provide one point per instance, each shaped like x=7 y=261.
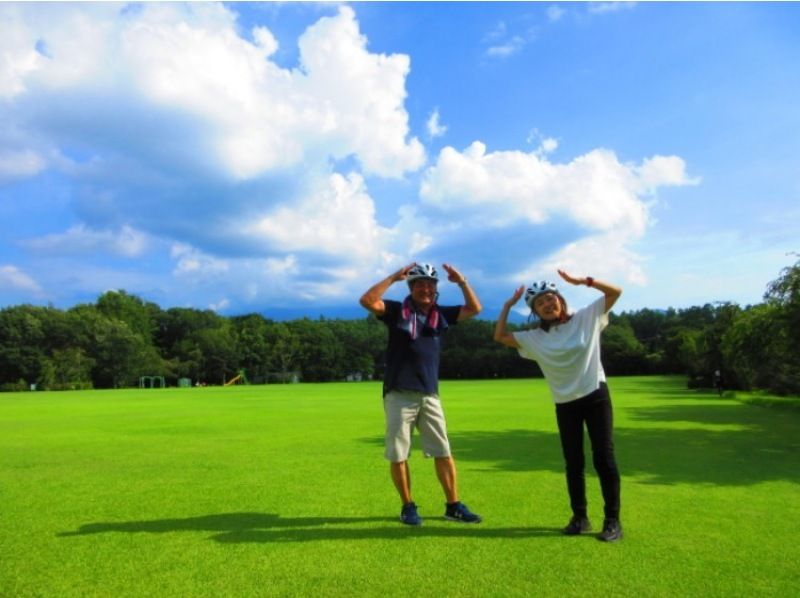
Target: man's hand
x=402 y=273
x=454 y=275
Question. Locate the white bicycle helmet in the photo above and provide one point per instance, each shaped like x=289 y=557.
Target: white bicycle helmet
x=422 y=272
x=539 y=288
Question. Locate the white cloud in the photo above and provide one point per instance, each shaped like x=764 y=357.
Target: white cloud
x=18 y=52
x=59 y=48
x=594 y=190
x=337 y=219
x=220 y=305
x=193 y=263
x=19 y=164
x=555 y=12
x=191 y=135
x=547 y=145
x=601 y=199
x=363 y=95
x=179 y=122
x=499 y=31
x=14 y=279
x=608 y=256
x=265 y=40
x=435 y=128
x=507 y=48
x=663 y=170
x=80 y=240
x=249 y=115
x=503 y=43
x=608 y=7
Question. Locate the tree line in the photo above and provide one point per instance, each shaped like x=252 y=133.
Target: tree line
x=118 y=339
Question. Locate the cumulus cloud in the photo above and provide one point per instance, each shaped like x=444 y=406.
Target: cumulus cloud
x=336 y=219
x=363 y=95
x=555 y=12
x=502 y=43
x=219 y=305
x=608 y=7
x=188 y=61
x=603 y=201
x=191 y=262
x=435 y=128
x=14 y=279
x=507 y=48
x=81 y=240
x=177 y=129
x=547 y=145
x=20 y=164
x=594 y=190
x=618 y=260
x=18 y=50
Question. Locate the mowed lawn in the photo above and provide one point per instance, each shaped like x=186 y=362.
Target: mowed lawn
x=283 y=490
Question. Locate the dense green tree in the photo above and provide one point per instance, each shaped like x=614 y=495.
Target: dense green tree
x=121 y=337
x=121 y=355
x=283 y=349
x=320 y=352
x=140 y=316
x=748 y=346
x=252 y=345
x=217 y=347
x=622 y=352
x=72 y=369
x=361 y=341
x=471 y=352
x=22 y=345
x=760 y=345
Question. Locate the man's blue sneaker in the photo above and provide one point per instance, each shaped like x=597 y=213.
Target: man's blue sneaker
x=409 y=515
x=458 y=511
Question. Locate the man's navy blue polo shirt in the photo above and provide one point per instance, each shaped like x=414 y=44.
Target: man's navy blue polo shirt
x=414 y=364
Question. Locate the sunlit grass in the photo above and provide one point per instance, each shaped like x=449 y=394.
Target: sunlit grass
x=283 y=490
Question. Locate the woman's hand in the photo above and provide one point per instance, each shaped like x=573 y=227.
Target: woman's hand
x=610 y=291
x=501 y=334
x=571 y=279
x=516 y=296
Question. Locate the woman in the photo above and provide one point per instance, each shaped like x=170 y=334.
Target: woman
x=567 y=348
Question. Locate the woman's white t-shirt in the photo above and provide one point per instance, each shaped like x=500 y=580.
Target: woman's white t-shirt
x=569 y=353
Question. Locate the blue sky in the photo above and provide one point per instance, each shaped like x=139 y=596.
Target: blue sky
x=281 y=157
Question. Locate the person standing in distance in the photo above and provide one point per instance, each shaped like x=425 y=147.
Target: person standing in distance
x=411 y=382
x=567 y=348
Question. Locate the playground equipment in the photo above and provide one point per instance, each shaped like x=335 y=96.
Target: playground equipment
x=240 y=378
x=150 y=381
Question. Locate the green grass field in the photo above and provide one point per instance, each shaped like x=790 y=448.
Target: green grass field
x=283 y=490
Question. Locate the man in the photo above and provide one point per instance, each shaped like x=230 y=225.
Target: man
x=411 y=382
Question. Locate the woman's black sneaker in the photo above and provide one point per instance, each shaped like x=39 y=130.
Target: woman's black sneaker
x=577 y=525
x=612 y=530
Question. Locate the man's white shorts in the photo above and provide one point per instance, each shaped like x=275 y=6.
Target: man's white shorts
x=407 y=409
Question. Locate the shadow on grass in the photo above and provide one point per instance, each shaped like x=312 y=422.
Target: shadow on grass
x=266 y=527
x=223 y=522
x=725 y=444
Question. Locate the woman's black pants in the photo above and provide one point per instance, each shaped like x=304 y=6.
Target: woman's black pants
x=595 y=410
